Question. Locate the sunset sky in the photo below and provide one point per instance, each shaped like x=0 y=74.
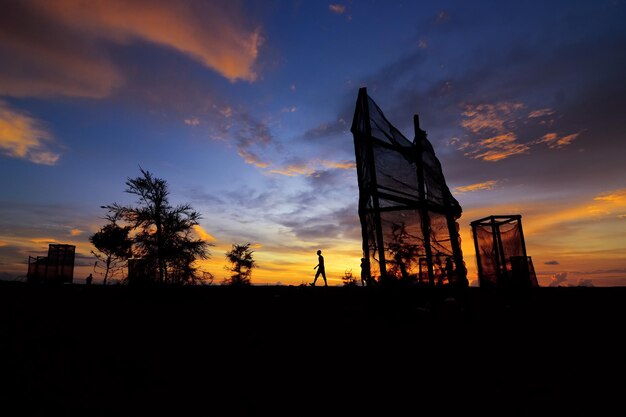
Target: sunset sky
x=244 y=107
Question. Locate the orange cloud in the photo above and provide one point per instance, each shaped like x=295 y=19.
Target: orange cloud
x=616 y=197
x=493 y=119
x=540 y=113
x=294 y=170
x=555 y=142
x=203 y=234
x=490 y=117
x=22 y=136
x=43 y=57
x=605 y=206
x=44 y=240
x=76 y=232
x=487 y=185
x=59 y=47
x=252 y=158
x=311 y=167
x=497 y=148
x=338 y=164
x=497 y=120
x=212 y=33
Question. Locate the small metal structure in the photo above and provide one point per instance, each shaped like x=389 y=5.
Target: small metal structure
x=501 y=253
x=56 y=268
x=408 y=215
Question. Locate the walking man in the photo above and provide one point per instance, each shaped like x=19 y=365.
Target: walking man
x=320 y=269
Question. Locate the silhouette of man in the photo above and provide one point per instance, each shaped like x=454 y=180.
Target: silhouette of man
x=449 y=269
x=89 y=279
x=320 y=269
x=365 y=270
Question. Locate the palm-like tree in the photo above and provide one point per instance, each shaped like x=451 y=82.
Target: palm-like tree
x=242 y=263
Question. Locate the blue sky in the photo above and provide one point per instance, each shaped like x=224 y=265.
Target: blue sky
x=244 y=107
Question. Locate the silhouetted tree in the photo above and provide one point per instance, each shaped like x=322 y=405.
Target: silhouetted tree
x=113 y=248
x=404 y=252
x=242 y=263
x=163 y=232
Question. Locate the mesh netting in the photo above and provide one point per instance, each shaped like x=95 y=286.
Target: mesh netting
x=501 y=252
x=408 y=215
x=57 y=267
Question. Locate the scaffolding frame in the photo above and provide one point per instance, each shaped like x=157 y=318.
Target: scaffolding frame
x=56 y=268
x=415 y=200
x=502 y=262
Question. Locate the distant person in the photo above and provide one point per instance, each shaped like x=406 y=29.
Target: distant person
x=449 y=269
x=89 y=279
x=365 y=271
x=320 y=269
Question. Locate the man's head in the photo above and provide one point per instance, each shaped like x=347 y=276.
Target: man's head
x=319 y=252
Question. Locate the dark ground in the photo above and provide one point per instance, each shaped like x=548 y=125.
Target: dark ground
x=223 y=351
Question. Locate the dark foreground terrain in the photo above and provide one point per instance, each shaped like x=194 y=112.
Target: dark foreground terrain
x=222 y=351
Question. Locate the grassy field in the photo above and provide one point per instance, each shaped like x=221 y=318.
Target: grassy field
x=221 y=351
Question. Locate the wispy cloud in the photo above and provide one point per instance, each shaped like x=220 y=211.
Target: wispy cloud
x=76 y=232
x=293 y=170
x=22 y=136
x=337 y=8
x=45 y=240
x=327 y=130
x=495 y=120
x=60 y=47
x=192 y=121
x=212 y=33
x=497 y=148
x=615 y=197
x=541 y=113
x=310 y=168
x=501 y=123
x=44 y=57
x=555 y=142
x=203 y=234
x=605 y=206
x=487 y=185
x=252 y=158
x=489 y=117
x=248 y=134
x=339 y=164
x=252 y=133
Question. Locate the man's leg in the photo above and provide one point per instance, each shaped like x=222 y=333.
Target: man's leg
x=317 y=274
